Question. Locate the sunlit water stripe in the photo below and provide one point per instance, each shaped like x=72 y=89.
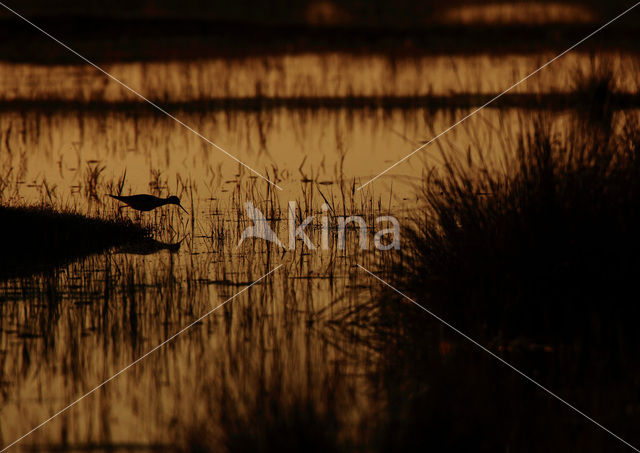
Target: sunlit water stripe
x=314 y=75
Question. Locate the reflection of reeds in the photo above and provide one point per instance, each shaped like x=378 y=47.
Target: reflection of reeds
x=271 y=417
x=239 y=378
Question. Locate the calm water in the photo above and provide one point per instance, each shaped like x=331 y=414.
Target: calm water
x=296 y=343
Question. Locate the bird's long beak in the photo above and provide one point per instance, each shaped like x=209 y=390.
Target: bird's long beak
x=183 y=209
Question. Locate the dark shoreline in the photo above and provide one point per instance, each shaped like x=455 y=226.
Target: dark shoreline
x=113 y=40
x=532 y=101
x=38 y=238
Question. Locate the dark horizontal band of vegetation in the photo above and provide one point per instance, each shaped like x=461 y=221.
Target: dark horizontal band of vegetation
x=166 y=39
x=39 y=238
x=96 y=446
x=549 y=101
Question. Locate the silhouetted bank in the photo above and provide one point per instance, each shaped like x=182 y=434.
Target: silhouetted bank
x=548 y=242
x=168 y=39
x=38 y=238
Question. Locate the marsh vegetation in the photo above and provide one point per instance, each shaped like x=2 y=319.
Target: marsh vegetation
x=518 y=227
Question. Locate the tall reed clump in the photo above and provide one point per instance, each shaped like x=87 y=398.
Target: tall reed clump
x=545 y=245
x=535 y=257
x=595 y=89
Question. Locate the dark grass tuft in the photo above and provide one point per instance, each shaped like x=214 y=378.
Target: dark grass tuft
x=546 y=247
x=37 y=238
x=536 y=259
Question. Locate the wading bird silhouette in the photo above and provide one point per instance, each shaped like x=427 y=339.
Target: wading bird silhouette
x=145 y=202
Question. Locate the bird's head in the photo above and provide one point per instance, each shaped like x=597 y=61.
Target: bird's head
x=175 y=200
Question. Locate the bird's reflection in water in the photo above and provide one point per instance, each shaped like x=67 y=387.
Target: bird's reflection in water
x=148 y=246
